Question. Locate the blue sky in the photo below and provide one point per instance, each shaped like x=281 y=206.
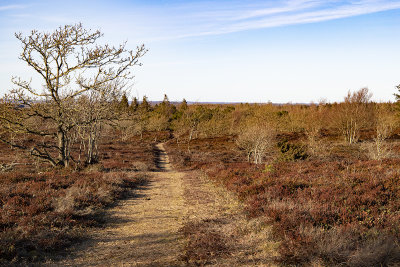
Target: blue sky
x=241 y=51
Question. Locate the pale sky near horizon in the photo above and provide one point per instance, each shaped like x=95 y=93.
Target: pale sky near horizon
x=230 y=51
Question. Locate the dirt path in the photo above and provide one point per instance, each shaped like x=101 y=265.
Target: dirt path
x=162 y=159
x=144 y=230
x=140 y=231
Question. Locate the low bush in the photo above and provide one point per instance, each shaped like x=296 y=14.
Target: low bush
x=40 y=213
x=310 y=202
x=291 y=151
x=204 y=243
x=341 y=210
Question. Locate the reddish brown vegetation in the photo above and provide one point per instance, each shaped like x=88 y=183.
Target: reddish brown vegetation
x=204 y=151
x=336 y=210
x=328 y=202
x=44 y=209
x=203 y=243
x=117 y=154
x=43 y=212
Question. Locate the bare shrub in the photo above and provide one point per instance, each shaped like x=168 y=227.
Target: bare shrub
x=335 y=246
x=378 y=149
x=385 y=122
x=377 y=252
x=314 y=118
x=158 y=122
x=345 y=248
x=354 y=114
x=256 y=141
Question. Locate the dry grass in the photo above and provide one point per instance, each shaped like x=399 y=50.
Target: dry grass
x=332 y=210
x=217 y=231
x=43 y=209
x=41 y=213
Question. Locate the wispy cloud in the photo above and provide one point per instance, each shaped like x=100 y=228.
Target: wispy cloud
x=11 y=7
x=215 y=18
x=182 y=19
x=312 y=16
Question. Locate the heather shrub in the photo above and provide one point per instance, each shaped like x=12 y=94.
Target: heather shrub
x=327 y=212
x=292 y=151
x=40 y=213
x=204 y=243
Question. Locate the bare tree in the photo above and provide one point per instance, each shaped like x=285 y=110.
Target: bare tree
x=385 y=121
x=355 y=114
x=70 y=64
x=95 y=108
x=190 y=120
x=256 y=141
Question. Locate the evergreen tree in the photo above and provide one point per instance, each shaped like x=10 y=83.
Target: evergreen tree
x=163 y=107
x=124 y=104
x=145 y=106
x=134 y=105
x=183 y=106
x=398 y=96
x=166 y=99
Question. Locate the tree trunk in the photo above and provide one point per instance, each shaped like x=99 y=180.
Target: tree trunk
x=62 y=159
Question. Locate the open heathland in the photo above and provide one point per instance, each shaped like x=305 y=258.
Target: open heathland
x=319 y=183
x=45 y=209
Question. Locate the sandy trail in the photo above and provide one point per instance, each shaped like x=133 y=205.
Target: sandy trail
x=144 y=229
x=162 y=160
x=140 y=231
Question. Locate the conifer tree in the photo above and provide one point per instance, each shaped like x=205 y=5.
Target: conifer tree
x=398 y=95
x=134 y=105
x=124 y=104
x=183 y=106
x=145 y=106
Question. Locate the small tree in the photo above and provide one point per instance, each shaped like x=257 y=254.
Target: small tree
x=134 y=105
x=124 y=103
x=71 y=65
x=141 y=118
x=256 y=141
x=385 y=123
x=145 y=106
x=162 y=115
x=183 y=106
x=354 y=114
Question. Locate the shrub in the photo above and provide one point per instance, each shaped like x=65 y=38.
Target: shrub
x=256 y=141
x=204 y=243
x=336 y=211
x=292 y=152
x=40 y=213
